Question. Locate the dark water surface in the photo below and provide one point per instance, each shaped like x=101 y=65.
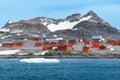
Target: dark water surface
x=66 y=69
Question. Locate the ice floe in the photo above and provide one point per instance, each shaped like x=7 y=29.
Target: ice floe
x=39 y=60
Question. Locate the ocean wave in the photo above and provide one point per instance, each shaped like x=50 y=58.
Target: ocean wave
x=40 y=60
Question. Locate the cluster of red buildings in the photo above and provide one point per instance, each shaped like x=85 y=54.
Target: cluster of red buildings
x=94 y=44
x=113 y=42
x=58 y=45
x=33 y=39
x=63 y=44
x=13 y=45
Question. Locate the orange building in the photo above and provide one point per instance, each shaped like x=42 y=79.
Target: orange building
x=47 y=44
x=35 y=39
x=86 y=49
x=13 y=45
x=73 y=42
x=113 y=42
x=85 y=41
x=54 y=43
x=47 y=48
x=96 y=44
x=9 y=45
x=64 y=47
x=20 y=44
x=39 y=44
x=59 y=47
x=69 y=47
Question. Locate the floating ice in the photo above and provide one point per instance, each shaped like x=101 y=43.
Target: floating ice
x=40 y=60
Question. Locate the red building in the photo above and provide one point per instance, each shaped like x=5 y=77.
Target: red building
x=86 y=49
x=35 y=39
x=39 y=44
x=13 y=45
x=73 y=42
x=96 y=44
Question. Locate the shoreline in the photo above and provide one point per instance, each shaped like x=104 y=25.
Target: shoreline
x=21 y=54
x=62 y=56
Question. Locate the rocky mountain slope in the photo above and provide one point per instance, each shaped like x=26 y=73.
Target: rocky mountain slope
x=73 y=26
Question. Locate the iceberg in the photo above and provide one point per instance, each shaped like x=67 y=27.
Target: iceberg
x=39 y=60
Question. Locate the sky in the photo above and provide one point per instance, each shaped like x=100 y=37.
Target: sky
x=16 y=10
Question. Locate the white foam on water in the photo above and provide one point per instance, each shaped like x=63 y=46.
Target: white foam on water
x=39 y=60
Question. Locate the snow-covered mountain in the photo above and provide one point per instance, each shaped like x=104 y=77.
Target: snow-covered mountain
x=74 y=25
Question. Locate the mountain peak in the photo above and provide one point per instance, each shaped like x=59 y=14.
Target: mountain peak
x=94 y=17
x=91 y=13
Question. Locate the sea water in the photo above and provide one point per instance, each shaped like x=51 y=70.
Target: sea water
x=65 y=69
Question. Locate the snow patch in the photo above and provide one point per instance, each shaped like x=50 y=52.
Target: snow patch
x=66 y=24
x=55 y=39
x=94 y=21
x=35 y=35
x=111 y=48
x=10 y=21
x=16 y=31
x=0 y=44
x=25 y=39
x=18 y=34
x=75 y=29
x=85 y=18
x=22 y=54
x=8 y=52
x=9 y=35
x=4 y=37
x=55 y=35
x=4 y=30
x=43 y=35
x=42 y=53
x=61 y=26
x=45 y=23
x=40 y=60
